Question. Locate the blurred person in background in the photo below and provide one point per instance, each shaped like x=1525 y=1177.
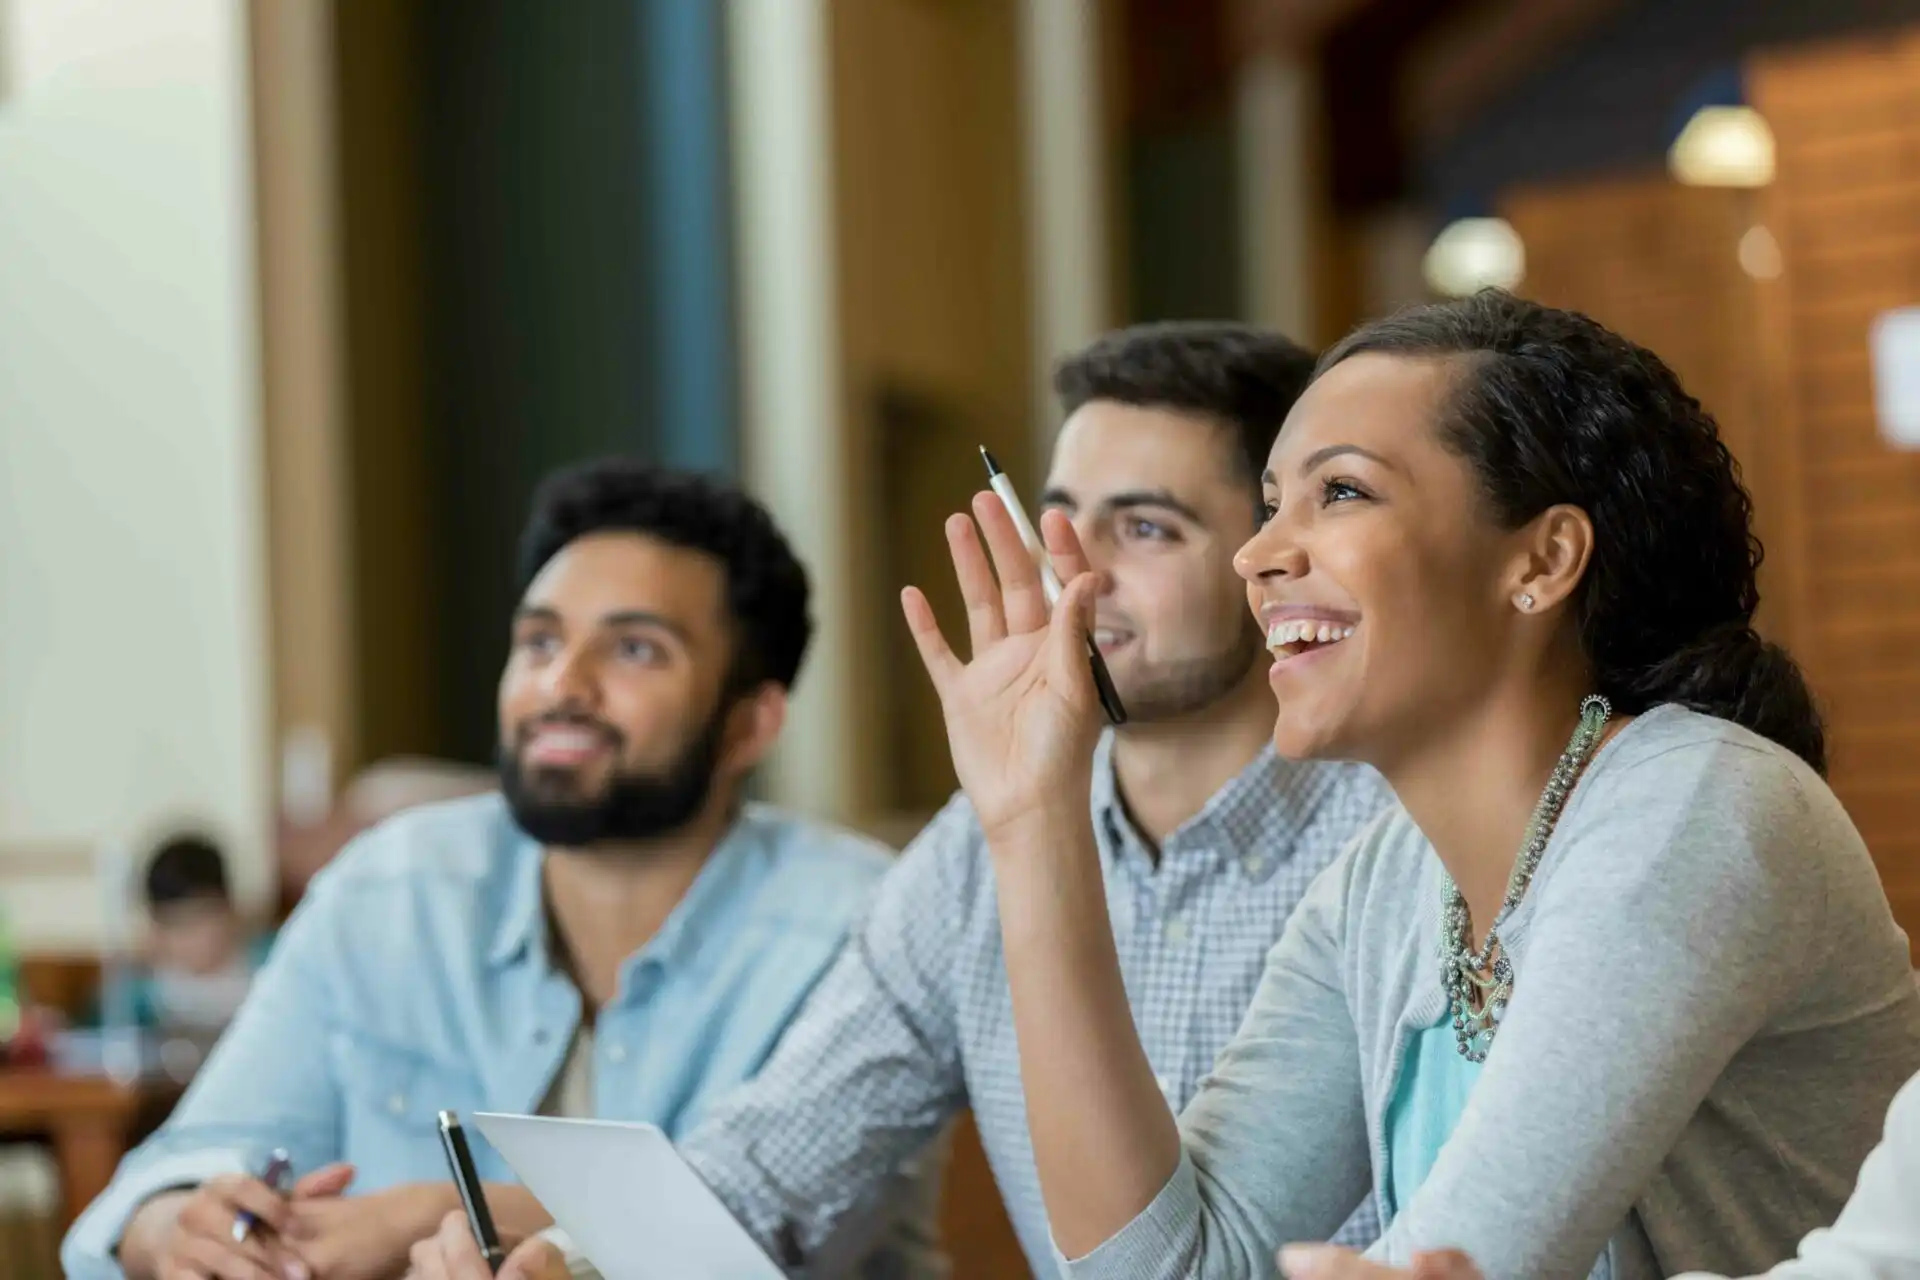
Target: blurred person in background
x=200 y=955
x=1206 y=841
x=614 y=934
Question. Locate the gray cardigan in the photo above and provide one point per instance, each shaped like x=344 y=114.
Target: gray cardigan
x=1713 y=1008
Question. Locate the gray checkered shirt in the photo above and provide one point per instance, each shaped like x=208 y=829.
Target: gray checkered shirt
x=825 y=1147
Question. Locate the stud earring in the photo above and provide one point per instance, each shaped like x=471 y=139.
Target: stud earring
x=1525 y=602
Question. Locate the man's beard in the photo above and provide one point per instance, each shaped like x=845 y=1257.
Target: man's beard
x=632 y=806
x=1169 y=690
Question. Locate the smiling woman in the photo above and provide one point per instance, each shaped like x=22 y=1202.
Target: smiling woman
x=1592 y=966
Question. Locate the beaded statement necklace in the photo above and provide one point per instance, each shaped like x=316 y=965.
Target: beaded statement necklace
x=1470 y=976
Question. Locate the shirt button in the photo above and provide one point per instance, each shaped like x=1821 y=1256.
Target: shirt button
x=1254 y=865
x=397 y=1104
x=1176 y=931
x=1165 y=1083
x=616 y=1053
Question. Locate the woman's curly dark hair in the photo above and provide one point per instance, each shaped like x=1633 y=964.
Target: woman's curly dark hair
x=1552 y=407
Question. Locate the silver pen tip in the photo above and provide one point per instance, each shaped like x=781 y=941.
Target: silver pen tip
x=993 y=467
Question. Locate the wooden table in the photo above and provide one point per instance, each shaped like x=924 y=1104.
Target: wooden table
x=89 y=1118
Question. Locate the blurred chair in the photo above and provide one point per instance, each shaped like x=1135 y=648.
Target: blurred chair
x=974 y=1226
x=386 y=787
x=379 y=791
x=29 y=1214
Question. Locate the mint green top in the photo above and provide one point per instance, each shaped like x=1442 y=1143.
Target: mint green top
x=1427 y=1101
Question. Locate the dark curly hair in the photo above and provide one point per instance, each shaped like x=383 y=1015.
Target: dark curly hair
x=1243 y=378
x=767 y=588
x=1551 y=407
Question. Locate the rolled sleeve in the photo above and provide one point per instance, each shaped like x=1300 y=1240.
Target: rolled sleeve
x=1162 y=1241
x=825 y=1151
x=268 y=1084
x=90 y=1246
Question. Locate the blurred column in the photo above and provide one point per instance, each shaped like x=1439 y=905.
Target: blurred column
x=792 y=416
x=1276 y=106
x=302 y=383
x=683 y=77
x=1067 y=191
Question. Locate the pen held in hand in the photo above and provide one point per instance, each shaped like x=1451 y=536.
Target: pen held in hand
x=1050 y=584
x=279 y=1165
x=473 y=1198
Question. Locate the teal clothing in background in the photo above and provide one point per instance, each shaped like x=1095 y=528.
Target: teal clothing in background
x=1427 y=1101
x=135 y=990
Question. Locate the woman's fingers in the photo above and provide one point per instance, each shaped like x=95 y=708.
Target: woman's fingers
x=1023 y=600
x=1444 y=1264
x=1063 y=545
x=986 y=622
x=935 y=654
x=1067 y=666
x=1066 y=647
x=1330 y=1262
x=1003 y=593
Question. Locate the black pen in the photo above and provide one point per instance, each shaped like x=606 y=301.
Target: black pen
x=453 y=1140
x=279 y=1164
x=1051 y=585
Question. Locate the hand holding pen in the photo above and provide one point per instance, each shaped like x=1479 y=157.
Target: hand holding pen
x=234 y=1224
x=274 y=1178
x=1023 y=712
x=1051 y=586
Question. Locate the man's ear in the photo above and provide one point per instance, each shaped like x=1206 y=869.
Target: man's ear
x=753 y=726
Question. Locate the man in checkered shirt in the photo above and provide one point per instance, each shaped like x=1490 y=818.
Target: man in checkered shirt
x=1207 y=838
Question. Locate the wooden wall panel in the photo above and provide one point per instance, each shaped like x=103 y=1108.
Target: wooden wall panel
x=1784 y=365
x=1660 y=263
x=1846 y=210
x=929 y=193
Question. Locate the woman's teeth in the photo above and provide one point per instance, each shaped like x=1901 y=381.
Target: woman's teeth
x=1282 y=634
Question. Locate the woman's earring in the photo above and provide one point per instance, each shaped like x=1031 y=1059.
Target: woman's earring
x=1525 y=601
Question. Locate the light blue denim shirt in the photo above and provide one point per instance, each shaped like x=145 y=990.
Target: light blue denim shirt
x=416 y=976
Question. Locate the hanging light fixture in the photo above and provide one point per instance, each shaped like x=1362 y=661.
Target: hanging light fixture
x=1471 y=254
x=1719 y=140
x=1723 y=146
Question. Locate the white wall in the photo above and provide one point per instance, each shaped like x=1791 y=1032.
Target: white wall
x=133 y=688
x=1067 y=192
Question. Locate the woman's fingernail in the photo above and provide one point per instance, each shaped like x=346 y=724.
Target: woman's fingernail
x=295 y=1271
x=1298 y=1259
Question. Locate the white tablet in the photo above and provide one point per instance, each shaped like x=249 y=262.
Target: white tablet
x=628 y=1200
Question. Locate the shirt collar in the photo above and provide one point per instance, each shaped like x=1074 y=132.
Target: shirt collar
x=696 y=917
x=1263 y=807
x=523 y=920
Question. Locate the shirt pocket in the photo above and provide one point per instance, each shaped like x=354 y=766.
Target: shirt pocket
x=391 y=1099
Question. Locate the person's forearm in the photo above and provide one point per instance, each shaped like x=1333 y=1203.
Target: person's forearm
x=1104 y=1139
